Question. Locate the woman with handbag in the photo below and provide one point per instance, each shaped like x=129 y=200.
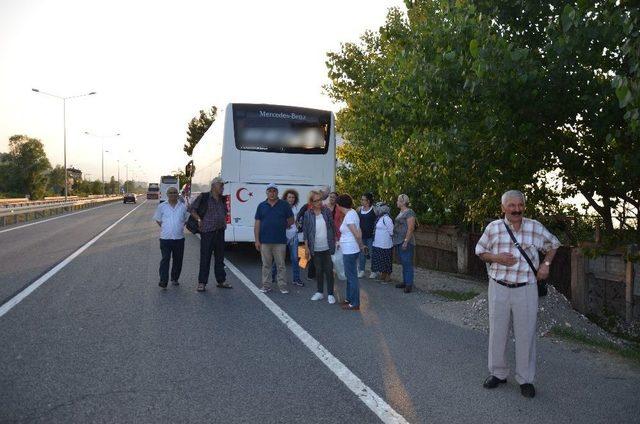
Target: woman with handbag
x=351 y=245
x=317 y=227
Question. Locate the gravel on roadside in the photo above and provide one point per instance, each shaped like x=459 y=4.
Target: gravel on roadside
x=554 y=310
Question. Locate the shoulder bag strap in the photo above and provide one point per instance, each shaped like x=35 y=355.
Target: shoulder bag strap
x=522 y=252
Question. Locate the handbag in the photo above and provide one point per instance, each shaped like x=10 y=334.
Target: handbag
x=338 y=264
x=542 y=285
x=201 y=210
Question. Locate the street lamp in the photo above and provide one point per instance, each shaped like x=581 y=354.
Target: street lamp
x=102 y=137
x=64 y=124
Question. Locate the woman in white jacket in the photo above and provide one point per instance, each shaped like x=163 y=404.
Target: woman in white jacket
x=382 y=254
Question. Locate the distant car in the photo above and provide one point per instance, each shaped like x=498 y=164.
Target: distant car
x=129 y=197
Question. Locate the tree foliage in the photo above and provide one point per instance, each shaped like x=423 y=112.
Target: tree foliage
x=455 y=102
x=24 y=169
x=197 y=127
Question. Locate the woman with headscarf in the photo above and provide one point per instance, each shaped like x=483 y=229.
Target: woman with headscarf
x=382 y=254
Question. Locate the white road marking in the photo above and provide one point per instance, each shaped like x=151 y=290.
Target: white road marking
x=40 y=281
x=57 y=217
x=370 y=398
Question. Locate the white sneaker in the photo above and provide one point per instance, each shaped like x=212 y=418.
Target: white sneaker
x=331 y=299
x=317 y=296
x=360 y=274
x=284 y=291
x=373 y=275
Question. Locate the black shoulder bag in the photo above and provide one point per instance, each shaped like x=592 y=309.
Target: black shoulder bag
x=542 y=285
x=201 y=210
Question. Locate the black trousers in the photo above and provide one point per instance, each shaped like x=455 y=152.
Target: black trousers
x=175 y=249
x=212 y=242
x=324 y=270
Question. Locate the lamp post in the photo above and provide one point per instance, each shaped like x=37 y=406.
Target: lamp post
x=102 y=137
x=64 y=124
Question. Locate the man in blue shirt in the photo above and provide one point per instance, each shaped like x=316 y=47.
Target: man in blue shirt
x=273 y=217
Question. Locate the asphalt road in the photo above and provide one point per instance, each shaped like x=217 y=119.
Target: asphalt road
x=99 y=342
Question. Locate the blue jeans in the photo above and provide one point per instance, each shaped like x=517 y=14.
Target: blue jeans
x=406 y=259
x=362 y=261
x=292 y=245
x=351 y=271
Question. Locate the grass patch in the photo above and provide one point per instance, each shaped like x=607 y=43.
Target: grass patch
x=454 y=295
x=631 y=351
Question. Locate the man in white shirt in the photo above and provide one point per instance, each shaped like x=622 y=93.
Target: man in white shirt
x=171 y=217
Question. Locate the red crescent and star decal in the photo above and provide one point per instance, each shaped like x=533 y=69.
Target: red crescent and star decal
x=239 y=193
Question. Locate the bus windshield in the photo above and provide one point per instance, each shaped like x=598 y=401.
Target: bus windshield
x=153 y=187
x=282 y=129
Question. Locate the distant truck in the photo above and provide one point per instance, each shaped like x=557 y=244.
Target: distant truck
x=167 y=181
x=153 y=192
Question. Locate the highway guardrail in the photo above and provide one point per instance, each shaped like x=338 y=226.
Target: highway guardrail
x=31 y=211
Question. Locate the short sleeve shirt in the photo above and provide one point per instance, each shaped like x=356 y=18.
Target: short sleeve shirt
x=273 y=221
x=401 y=227
x=348 y=242
x=533 y=236
x=172 y=219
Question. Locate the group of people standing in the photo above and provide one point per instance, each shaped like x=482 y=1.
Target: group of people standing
x=332 y=228
x=333 y=231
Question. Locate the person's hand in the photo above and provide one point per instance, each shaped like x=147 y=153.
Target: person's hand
x=307 y=254
x=200 y=225
x=258 y=244
x=506 y=259
x=543 y=272
x=405 y=244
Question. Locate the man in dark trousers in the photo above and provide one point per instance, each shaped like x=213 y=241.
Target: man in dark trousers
x=210 y=210
x=171 y=217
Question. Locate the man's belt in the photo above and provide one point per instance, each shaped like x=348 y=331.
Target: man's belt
x=510 y=285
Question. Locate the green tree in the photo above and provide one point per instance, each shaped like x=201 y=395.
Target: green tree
x=55 y=183
x=26 y=166
x=197 y=127
x=455 y=102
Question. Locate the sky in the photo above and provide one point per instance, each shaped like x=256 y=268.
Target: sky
x=155 y=64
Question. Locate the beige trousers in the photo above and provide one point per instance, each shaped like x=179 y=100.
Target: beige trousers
x=522 y=304
x=270 y=253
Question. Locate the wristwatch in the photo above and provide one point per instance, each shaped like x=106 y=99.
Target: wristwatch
x=547 y=263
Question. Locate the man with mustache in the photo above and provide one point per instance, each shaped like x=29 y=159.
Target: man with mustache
x=513 y=288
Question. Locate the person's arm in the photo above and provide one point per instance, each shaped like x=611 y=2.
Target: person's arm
x=411 y=226
x=388 y=223
x=483 y=250
x=193 y=210
x=256 y=234
x=550 y=245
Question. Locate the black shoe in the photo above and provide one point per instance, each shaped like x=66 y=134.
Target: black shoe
x=401 y=286
x=175 y=282
x=527 y=390
x=163 y=284
x=492 y=382
x=407 y=289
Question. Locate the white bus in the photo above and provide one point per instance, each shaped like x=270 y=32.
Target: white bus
x=167 y=181
x=252 y=145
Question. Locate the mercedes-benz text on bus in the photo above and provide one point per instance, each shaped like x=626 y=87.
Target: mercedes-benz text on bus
x=253 y=145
